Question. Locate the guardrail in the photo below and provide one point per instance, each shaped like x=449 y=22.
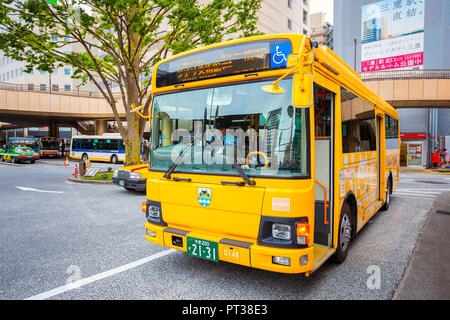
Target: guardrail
x=406 y=75
x=52 y=90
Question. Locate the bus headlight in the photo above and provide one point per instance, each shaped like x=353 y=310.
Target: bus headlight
x=154 y=211
x=281 y=231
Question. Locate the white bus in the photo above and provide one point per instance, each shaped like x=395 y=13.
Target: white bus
x=108 y=147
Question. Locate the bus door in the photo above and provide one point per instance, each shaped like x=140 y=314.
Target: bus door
x=379 y=191
x=324 y=104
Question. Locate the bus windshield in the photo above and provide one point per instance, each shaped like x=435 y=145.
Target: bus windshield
x=208 y=130
x=49 y=145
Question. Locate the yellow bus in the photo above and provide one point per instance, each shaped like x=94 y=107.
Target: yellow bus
x=267 y=152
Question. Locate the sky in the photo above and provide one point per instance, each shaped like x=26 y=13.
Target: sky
x=324 y=6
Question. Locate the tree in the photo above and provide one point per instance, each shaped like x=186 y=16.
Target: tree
x=121 y=40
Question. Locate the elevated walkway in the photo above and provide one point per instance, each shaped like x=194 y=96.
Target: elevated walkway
x=28 y=104
x=411 y=88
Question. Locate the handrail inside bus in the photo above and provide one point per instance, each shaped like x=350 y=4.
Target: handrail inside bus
x=325 y=207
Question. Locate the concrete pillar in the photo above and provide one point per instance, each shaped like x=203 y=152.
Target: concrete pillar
x=53 y=130
x=100 y=127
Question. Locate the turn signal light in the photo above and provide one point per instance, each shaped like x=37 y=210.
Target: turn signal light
x=144 y=206
x=303 y=233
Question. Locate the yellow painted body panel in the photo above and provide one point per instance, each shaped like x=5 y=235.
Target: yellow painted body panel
x=235 y=212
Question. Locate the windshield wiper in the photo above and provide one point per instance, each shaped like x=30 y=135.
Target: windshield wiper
x=175 y=164
x=238 y=168
x=243 y=175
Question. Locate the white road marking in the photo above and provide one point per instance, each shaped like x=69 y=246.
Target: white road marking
x=37 y=190
x=414 y=195
x=448 y=189
x=421 y=192
x=100 y=276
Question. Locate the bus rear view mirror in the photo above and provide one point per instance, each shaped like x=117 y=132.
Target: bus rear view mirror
x=303 y=90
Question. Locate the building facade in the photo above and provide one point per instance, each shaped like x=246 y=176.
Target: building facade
x=374 y=35
x=274 y=16
x=12 y=71
x=284 y=16
x=321 y=31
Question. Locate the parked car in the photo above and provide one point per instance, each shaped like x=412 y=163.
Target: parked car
x=132 y=178
x=18 y=154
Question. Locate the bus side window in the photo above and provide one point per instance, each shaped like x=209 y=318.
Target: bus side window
x=121 y=145
x=358 y=124
x=322 y=112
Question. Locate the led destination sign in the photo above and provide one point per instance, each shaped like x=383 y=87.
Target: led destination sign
x=248 y=57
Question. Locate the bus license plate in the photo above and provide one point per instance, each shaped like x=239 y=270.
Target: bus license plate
x=204 y=249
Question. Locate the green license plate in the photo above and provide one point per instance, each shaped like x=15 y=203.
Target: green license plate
x=121 y=183
x=204 y=249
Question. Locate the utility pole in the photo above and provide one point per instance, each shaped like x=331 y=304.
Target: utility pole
x=355 y=42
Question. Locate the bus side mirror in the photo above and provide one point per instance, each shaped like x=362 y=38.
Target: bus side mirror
x=303 y=90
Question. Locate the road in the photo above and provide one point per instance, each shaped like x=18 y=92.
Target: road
x=94 y=234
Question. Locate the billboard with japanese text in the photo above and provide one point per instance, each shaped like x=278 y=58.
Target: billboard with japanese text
x=392 y=35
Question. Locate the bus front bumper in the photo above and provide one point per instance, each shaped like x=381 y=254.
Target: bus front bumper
x=242 y=253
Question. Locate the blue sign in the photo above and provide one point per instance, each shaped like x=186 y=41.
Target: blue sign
x=279 y=54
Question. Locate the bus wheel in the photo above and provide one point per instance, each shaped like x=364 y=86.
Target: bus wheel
x=84 y=156
x=388 y=196
x=114 y=159
x=344 y=234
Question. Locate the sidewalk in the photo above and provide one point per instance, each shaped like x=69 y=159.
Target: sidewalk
x=435 y=171
x=427 y=276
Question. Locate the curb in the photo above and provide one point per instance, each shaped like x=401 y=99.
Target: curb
x=78 y=180
x=52 y=163
x=429 y=171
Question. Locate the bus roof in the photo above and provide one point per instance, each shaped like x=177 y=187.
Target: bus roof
x=176 y=68
x=104 y=136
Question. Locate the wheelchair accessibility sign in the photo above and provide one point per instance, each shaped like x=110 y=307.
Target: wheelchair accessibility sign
x=279 y=54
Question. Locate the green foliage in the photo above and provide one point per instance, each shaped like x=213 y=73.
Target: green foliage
x=121 y=40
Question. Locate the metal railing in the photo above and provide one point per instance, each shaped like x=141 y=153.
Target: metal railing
x=406 y=75
x=51 y=90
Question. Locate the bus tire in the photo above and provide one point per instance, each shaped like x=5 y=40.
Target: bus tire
x=344 y=234
x=84 y=156
x=114 y=159
x=386 y=205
